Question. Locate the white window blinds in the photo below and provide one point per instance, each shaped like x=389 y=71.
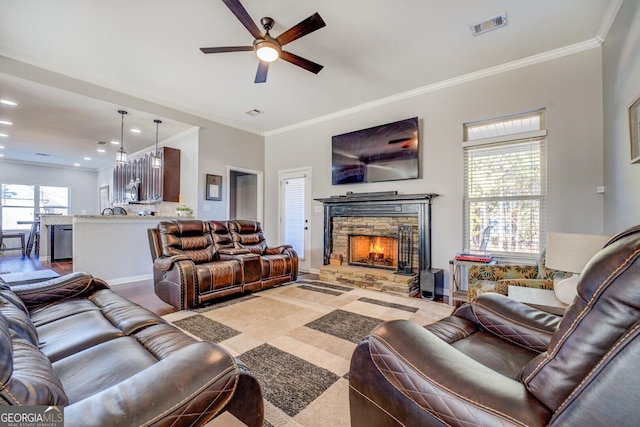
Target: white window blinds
x=293 y=214
x=505 y=196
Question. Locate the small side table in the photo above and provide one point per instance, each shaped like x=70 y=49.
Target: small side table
x=459 y=280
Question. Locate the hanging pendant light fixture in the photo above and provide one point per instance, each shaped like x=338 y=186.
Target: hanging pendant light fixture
x=156 y=157
x=121 y=155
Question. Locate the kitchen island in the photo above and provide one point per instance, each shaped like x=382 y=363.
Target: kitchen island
x=114 y=248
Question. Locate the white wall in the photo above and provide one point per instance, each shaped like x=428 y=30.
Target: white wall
x=83 y=183
x=223 y=146
x=568 y=87
x=621 y=85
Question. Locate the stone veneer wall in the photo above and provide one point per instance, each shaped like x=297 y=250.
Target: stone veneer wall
x=372 y=226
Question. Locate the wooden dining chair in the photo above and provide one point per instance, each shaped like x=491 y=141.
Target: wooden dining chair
x=13 y=235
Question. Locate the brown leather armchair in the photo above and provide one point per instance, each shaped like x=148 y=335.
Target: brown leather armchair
x=496 y=361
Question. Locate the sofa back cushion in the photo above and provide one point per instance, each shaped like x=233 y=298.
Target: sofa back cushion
x=187 y=237
x=605 y=312
x=248 y=234
x=26 y=374
x=221 y=235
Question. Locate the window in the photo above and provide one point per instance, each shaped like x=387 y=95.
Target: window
x=18 y=203
x=505 y=193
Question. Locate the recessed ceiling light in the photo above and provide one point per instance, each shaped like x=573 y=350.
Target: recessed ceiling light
x=76 y=164
x=5 y=122
x=135 y=130
x=1 y=155
x=4 y=135
x=115 y=142
x=1 y=147
x=101 y=150
x=87 y=158
x=8 y=102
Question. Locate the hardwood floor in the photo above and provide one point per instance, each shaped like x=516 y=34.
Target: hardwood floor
x=139 y=292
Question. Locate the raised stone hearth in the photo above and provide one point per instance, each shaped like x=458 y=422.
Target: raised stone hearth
x=371 y=278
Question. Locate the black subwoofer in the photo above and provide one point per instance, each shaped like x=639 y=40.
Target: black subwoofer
x=432 y=283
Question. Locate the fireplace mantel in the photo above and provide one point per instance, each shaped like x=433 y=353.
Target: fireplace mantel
x=387 y=196
x=382 y=204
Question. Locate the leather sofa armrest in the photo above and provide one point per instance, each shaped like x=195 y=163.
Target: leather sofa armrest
x=60 y=288
x=276 y=250
x=511 y=320
x=189 y=387
x=166 y=263
x=232 y=253
x=401 y=366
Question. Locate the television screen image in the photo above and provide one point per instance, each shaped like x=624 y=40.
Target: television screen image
x=387 y=152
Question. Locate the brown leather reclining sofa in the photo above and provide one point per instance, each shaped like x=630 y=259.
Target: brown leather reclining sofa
x=73 y=342
x=196 y=261
x=498 y=362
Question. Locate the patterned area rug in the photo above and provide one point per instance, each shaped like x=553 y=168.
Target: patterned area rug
x=297 y=339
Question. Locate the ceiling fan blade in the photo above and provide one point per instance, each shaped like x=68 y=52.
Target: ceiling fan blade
x=261 y=75
x=309 y=25
x=243 y=16
x=226 y=49
x=301 y=62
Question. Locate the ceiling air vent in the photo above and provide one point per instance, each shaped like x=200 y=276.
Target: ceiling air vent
x=101 y=143
x=254 y=112
x=489 y=24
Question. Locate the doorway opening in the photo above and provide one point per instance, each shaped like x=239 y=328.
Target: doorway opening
x=244 y=188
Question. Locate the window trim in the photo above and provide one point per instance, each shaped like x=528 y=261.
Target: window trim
x=505 y=140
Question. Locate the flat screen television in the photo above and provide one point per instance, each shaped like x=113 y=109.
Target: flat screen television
x=387 y=152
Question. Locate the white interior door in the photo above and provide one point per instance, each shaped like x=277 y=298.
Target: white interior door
x=295 y=200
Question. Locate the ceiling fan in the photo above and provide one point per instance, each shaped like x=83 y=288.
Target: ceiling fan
x=267 y=48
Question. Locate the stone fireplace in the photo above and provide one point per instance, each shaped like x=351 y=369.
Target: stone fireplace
x=377 y=240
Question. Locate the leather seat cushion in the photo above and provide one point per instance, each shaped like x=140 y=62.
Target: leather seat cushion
x=219 y=274
x=495 y=353
x=74 y=333
x=51 y=313
x=110 y=363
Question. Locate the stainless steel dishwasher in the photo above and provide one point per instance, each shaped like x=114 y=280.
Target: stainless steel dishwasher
x=61 y=242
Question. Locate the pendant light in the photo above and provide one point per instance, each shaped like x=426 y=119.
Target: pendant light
x=121 y=155
x=156 y=157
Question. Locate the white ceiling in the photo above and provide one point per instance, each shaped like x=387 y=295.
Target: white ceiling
x=72 y=64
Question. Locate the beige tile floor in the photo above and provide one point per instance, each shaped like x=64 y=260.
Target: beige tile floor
x=277 y=317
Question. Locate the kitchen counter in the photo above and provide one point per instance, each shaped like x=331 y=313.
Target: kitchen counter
x=114 y=248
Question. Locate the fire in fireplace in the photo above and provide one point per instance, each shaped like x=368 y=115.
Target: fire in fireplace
x=373 y=251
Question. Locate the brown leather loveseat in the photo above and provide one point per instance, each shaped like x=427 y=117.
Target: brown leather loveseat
x=497 y=362
x=73 y=342
x=197 y=261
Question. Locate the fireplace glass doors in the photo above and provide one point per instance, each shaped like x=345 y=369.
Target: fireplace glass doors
x=373 y=251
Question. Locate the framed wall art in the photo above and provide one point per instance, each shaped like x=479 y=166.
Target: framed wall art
x=213 y=187
x=634 y=130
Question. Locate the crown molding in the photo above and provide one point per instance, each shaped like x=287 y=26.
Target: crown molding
x=466 y=78
x=608 y=20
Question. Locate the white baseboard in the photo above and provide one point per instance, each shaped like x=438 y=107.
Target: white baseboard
x=123 y=280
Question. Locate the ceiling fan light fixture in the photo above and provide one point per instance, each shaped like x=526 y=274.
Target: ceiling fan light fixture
x=267 y=50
